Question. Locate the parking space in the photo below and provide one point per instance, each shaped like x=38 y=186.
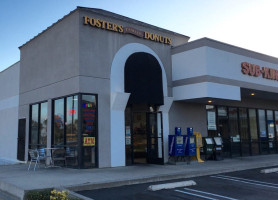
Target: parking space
x=248 y=184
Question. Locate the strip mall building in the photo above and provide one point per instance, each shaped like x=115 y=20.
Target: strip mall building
x=113 y=88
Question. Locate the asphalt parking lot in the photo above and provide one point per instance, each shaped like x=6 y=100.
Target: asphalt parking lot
x=247 y=184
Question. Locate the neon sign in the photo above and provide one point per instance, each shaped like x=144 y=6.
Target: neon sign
x=87 y=105
x=72 y=112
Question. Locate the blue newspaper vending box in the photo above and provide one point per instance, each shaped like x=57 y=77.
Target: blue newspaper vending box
x=176 y=143
x=178 y=131
x=190 y=143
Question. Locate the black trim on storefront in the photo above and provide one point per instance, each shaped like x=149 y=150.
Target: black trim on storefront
x=79 y=133
x=260 y=141
x=39 y=126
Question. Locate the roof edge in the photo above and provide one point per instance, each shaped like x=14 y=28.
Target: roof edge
x=223 y=46
x=49 y=27
x=9 y=67
x=104 y=13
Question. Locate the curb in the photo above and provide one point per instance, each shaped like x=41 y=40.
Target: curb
x=267 y=171
x=168 y=177
x=74 y=194
x=171 y=185
x=12 y=190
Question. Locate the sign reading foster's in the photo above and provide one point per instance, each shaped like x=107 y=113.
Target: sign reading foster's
x=102 y=24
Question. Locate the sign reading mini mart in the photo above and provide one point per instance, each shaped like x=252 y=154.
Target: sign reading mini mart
x=102 y=24
x=256 y=71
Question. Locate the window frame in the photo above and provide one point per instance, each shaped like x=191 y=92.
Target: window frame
x=37 y=145
x=80 y=118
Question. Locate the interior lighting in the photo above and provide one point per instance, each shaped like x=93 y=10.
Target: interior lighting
x=252 y=94
x=210 y=101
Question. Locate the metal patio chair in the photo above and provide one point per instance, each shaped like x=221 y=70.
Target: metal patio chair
x=71 y=154
x=59 y=156
x=36 y=156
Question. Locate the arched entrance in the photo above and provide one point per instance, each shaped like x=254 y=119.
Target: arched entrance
x=119 y=99
x=143 y=121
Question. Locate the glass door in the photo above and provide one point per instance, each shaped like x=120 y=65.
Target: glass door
x=154 y=138
x=128 y=136
x=21 y=139
x=139 y=138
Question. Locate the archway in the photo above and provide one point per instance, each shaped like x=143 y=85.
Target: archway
x=144 y=138
x=119 y=99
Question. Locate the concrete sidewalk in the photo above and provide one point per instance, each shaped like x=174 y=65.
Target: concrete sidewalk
x=16 y=180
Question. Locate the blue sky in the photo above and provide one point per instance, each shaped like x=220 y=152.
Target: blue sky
x=251 y=24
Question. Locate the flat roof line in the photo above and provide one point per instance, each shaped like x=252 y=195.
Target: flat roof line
x=9 y=67
x=104 y=13
x=223 y=46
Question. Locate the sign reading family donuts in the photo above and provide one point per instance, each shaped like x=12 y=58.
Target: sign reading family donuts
x=256 y=71
x=102 y=24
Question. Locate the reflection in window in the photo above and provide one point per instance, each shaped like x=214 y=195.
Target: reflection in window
x=34 y=125
x=253 y=124
x=270 y=128
x=58 y=125
x=65 y=125
x=38 y=131
x=243 y=123
x=233 y=125
x=72 y=120
x=43 y=124
x=253 y=131
x=270 y=124
x=262 y=126
x=223 y=128
x=66 y=129
x=276 y=122
x=89 y=130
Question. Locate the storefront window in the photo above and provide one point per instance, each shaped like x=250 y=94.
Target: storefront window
x=243 y=124
x=72 y=120
x=223 y=129
x=253 y=131
x=245 y=142
x=89 y=130
x=262 y=133
x=253 y=124
x=43 y=124
x=270 y=124
x=38 y=130
x=262 y=124
x=65 y=127
x=211 y=120
x=128 y=146
x=234 y=132
x=233 y=125
x=34 y=126
x=270 y=129
x=244 y=131
x=276 y=123
x=58 y=121
x=79 y=143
